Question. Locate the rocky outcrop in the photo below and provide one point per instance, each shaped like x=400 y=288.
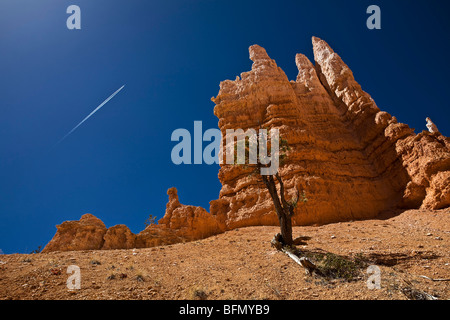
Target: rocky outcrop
x=119 y=237
x=189 y=222
x=85 y=234
x=352 y=160
x=426 y=157
x=431 y=126
x=438 y=191
x=180 y=223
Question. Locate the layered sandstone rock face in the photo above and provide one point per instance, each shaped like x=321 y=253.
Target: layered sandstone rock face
x=352 y=160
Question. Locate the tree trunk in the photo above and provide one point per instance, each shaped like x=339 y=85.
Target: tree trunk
x=286 y=228
x=282 y=211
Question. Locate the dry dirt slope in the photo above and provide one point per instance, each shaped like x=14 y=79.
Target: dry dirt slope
x=241 y=264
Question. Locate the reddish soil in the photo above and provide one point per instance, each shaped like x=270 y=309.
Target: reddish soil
x=241 y=264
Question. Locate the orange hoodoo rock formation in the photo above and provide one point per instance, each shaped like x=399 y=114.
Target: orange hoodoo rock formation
x=353 y=160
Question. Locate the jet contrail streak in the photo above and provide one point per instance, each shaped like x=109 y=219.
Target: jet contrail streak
x=90 y=114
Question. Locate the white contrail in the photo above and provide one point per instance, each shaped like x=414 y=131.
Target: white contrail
x=90 y=114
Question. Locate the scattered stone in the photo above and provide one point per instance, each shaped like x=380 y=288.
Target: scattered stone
x=111 y=277
x=55 y=271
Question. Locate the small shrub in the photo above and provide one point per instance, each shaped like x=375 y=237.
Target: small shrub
x=150 y=220
x=335 y=266
x=95 y=262
x=38 y=250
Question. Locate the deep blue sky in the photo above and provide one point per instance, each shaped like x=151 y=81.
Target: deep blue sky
x=171 y=55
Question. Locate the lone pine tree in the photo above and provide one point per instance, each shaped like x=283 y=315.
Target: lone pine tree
x=283 y=208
